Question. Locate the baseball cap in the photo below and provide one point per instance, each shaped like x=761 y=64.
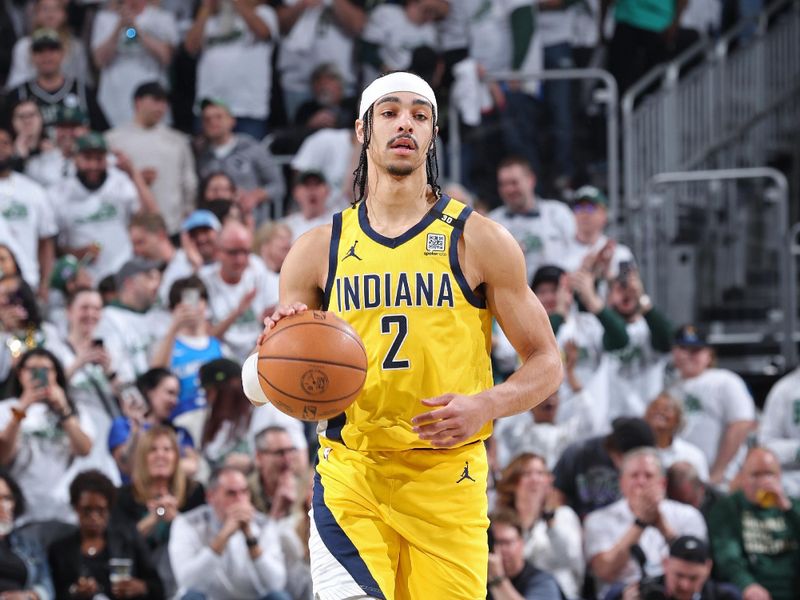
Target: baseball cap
x=206 y=102
x=151 y=88
x=201 y=218
x=690 y=548
x=546 y=274
x=91 y=142
x=304 y=176
x=135 y=266
x=589 y=193
x=45 y=38
x=688 y=336
x=628 y=433
x=70 y=115
x=219 y=370
x=64 y=271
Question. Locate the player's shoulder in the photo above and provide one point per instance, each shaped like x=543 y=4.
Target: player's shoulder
x=483 y=232
x=314 y=244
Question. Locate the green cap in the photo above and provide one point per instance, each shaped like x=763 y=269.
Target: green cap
x=71 y=115
x=589 y=193
x=45 y=38
x=214 y=102
x=64 y=271
x=91 y=142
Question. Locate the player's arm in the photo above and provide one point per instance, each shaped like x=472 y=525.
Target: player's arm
x=520 y=315
x=492 y=257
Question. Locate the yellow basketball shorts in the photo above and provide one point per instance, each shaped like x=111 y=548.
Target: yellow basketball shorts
x=399 y=525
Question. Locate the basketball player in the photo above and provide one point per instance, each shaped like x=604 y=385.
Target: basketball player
x=399 y=508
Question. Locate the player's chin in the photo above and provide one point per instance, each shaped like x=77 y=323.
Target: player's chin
x=400 y=169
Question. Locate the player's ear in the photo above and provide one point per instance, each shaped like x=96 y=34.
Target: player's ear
x=360 y=131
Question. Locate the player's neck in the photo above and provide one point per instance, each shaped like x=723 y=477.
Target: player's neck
x=397 y=202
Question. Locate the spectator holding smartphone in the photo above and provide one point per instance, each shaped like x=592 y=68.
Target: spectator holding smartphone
x=41 y=432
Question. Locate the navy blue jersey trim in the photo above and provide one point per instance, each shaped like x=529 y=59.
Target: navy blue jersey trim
x=339 y=545
x=429 y=218
x=333 y=258
x=333 y=428
x=455 y=266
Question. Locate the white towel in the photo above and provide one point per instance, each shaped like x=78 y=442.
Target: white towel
x=471 y=96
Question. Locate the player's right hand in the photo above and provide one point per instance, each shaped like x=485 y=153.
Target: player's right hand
x=281 y=311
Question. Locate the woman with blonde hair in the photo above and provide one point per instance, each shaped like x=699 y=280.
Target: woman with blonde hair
x=552 y=534
x=158 y=491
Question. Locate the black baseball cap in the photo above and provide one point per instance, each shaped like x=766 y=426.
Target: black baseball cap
x=304 y=176
x=690 y=548
x=590 y=194
x=628 y=433
x=135 y=266
x=689 y=336
x=218 y=370
x=70 y=115
x=45 y=39
x=546 y=274
x=151 y=88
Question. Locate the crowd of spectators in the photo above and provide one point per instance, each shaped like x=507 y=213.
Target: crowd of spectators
x=142 y=233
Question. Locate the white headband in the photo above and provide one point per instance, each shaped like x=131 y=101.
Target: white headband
x=395 y=82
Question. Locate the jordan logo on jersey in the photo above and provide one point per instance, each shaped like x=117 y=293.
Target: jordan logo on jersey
x=352 y=252
x=465 y=473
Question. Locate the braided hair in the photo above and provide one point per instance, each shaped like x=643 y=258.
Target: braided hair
x=360 y=174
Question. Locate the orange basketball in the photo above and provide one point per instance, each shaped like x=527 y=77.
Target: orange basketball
x=312 y=365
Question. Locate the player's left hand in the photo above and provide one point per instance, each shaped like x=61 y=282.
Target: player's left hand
x=459 y=418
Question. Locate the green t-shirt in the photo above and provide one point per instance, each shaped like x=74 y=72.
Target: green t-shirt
x=653 y=15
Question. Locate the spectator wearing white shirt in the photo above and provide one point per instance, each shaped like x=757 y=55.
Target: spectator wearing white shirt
x=54 y=164
x=552 y=534
x=161 y=153
x=543 y=228
x=24 y=206
x=780 y=428
x=235 y=42
x=719 y=409
x=665 y=417
x=241 y=291
x=335 y=154
x=226 y=550
x=131 y=44
x=643 y=517
x=93 y=207
x=311 y=193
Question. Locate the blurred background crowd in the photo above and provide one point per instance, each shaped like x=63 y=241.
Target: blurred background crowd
x=158 y=160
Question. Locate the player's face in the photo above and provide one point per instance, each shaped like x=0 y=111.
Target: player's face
x=84 y=312
x=515 y=186
x=145 y=243
x=162 y=459
x=47 y=61
x=684 y=579
x=640 y=473
x=402 y=133
x=311 y=196
x=91 y=165
x=164 y=397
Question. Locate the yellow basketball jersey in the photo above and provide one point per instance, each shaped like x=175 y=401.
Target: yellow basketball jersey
x=426 y=332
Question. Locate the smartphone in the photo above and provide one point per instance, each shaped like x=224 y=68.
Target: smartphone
x=40 y=376
x=97 y=343
x=625 y=268
x=190 y=296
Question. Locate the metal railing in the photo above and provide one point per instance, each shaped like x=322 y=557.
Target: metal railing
x=700 y=113
x=729 y=255
x=607 y=94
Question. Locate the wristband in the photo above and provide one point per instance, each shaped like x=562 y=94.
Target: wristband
x=19 y=414
x=496 y=580
x=251 y=541
x=641 y=524
x=67 y=415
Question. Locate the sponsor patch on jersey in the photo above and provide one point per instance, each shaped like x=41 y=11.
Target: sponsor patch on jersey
x=435 y=243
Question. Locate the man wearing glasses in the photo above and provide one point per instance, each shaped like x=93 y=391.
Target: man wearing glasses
x=241 y=290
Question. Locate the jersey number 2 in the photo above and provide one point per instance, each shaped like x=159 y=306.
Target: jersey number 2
x=390 y=361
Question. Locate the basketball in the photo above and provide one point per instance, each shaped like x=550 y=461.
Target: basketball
x=312 y=365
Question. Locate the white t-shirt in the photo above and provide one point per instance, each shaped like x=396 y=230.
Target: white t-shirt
x=130 y=336
x=74 y=66
x=300 y=225
x=576 y=251
x=397 y=37
x=178 y=268
x=84 y=216
x=24 y=206
x=133 y=64
x=234 y=66
x=711 y=402
x=554 y=26
x=604 y=527
x=49 y=167
x=636 y=373
x=681 y=450
x=543 y=234
x=327 y=151
x=780 y=428
x=42 y=457
x=224 y=298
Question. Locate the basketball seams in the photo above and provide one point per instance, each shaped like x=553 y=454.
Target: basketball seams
x=344 y=331
x=322 y=403
x=312 y=361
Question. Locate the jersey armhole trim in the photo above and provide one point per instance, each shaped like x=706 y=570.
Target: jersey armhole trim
x=333 y=258
x=455 y=266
